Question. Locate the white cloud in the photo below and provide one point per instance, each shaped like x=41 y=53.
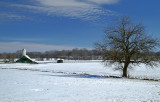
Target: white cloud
x=20 y=39
x=14 y=46
x=105 y=1
x=63 y=3
x=8 y=15
x=82 y=9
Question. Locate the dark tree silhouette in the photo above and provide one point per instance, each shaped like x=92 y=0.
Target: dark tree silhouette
x=126 y=43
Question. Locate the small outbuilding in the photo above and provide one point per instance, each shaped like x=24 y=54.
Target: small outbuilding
x=60 y=60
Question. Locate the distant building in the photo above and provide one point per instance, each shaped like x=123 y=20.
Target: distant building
x=25 y=58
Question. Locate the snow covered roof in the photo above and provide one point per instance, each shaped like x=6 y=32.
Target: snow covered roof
x=26 y=59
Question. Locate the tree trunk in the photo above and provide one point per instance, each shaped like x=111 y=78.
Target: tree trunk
x=125 y=69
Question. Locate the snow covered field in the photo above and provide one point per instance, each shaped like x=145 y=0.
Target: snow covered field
x=47 y=83
x=92 y=67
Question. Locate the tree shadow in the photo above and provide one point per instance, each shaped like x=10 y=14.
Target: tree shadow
x=79 y=76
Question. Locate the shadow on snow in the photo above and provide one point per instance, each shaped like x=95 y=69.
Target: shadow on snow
x=82 y=76
x=78 y=76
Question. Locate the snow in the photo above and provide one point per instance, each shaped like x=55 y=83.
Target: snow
x=27 y=57
x=29 y=86
x=93 y=68
x=56 y=82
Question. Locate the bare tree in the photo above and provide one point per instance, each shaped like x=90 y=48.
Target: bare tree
x=4 y=56
x=126 y=43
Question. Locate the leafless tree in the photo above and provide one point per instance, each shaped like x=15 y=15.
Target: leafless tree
x=126 y=43
x=3 y=56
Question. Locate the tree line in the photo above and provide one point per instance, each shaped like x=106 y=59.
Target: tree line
x=74 y=54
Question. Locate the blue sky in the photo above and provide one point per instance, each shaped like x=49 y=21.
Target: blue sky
x=40 y=25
